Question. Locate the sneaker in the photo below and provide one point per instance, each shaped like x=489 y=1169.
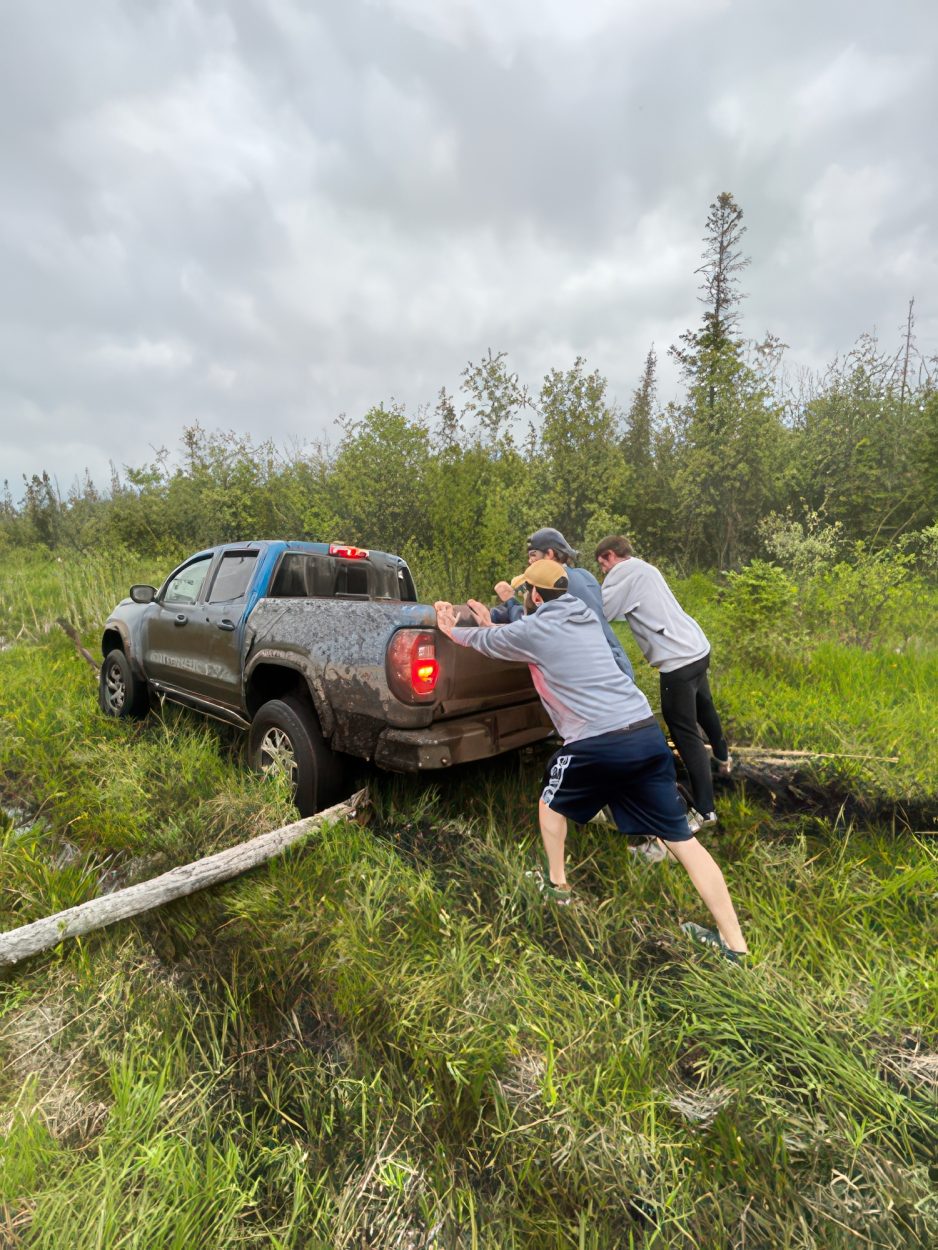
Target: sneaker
x=562 y=895
x=724 y=767
x=698 y=821
x=603 y=817
x=710 y=937
x=650 y=850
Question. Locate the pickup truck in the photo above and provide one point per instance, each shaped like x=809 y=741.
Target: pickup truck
x=321 y=653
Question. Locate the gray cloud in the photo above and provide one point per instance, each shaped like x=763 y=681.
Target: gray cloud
x=261 y=214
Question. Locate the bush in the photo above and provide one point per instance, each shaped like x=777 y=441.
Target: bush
x=805 y=548
x=759 y=610
x=861 y=600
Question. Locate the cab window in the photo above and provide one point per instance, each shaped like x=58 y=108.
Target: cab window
x=234 y=574
x=185 y=585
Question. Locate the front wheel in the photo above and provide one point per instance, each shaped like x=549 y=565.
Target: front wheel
x=286 y=739
x=120 y=692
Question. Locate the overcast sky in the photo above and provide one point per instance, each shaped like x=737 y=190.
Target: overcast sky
x=260 y=214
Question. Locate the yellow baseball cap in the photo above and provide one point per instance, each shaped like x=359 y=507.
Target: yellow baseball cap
x=544 y=575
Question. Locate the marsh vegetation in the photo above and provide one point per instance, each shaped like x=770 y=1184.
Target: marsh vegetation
x=386 y=1039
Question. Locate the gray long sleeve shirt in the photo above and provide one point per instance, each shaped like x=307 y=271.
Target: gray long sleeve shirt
x=668 y=637
x=584 y=586
x=582 y=688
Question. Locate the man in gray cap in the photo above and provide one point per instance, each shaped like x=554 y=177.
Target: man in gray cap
x=550 y=544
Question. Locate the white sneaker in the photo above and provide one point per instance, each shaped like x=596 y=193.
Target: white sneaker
x=651 y=851
x=698 y=821
x=603 y=817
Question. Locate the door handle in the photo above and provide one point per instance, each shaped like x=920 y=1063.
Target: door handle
x=224 y=623
x=181 y=618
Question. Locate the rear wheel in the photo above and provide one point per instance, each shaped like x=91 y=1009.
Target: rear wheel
x=121 y=693
x=286 y=739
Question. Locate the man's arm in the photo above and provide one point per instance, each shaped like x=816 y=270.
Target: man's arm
x=505 y=613
x=507 y=642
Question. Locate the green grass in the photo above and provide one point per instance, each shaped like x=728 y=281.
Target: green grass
x=385 y=1039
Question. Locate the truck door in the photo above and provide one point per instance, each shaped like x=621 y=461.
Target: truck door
x=218 y=627
x=166 y=651
x=204 y=652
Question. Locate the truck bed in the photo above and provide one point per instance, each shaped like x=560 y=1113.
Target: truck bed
x=482 y=707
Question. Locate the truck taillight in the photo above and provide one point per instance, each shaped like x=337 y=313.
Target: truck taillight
x=347 y=552
x=424 y=669
x=412 y=666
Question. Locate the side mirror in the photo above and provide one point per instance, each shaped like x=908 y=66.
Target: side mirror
x=143 y=594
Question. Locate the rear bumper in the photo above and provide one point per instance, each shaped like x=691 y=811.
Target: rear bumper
x=463 y=739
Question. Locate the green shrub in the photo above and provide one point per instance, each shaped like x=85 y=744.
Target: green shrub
x=759 y=610
x=858 y=599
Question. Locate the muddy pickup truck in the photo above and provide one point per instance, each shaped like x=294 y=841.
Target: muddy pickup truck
x=321 y=653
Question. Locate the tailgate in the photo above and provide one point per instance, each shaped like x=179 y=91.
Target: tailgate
x=470 y=682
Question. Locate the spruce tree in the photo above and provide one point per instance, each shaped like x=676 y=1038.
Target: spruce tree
x=703 y=353
x=637 y=443
x=730 y=462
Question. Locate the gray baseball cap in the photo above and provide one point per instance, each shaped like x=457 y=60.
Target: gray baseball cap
x=547 y=537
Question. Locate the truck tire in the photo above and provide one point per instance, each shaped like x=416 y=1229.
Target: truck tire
x=120 y=693
x=285 y=735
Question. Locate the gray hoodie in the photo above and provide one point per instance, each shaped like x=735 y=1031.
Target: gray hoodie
x=582 y=585
x=667 y=636
x=582 y=688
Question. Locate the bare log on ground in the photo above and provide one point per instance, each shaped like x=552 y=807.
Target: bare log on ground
x=76 y=639
x=30 y=939
x=780 y=753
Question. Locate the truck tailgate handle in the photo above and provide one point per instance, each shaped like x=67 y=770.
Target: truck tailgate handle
x=180 y=618
x=224 y=623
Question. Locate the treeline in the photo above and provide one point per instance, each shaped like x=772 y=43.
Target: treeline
x=456 y=487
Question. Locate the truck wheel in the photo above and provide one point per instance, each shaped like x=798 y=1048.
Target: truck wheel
x=120 y=693
x=286 y=738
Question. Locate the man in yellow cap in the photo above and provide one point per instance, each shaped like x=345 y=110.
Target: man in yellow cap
x=613 y=755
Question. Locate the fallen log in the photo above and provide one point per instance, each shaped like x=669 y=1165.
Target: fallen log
x=72 y=632
x=29 y=939
x=774 y=753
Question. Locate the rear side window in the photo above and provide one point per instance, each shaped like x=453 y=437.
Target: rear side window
x=290 y=579
x=234 y=574
x=406 y=589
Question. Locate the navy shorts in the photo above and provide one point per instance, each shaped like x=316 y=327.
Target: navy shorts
x=630 y=773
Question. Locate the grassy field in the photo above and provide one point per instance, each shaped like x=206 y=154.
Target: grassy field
x=385 y=1039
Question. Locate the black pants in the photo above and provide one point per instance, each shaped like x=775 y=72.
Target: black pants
x=686 y=702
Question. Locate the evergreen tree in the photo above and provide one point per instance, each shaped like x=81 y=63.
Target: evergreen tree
x=930 y=456
x=638 y=446
x=637 y=443
x=862 y=437
x=704 y=351
x=730 y=462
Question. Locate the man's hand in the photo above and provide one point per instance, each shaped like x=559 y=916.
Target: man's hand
x=445 y=617
x=504 y=591
x=480 y=613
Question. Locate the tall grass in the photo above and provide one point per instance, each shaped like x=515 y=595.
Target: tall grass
x=365 y=1043
x=37 y=587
